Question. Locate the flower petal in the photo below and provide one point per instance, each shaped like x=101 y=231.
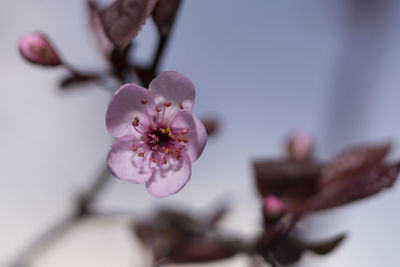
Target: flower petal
x=125 y=164
x=124 y=106
x=197 y=135
x=174 y=87
x=168 y=179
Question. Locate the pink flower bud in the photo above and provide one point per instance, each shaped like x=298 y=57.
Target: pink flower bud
x=37 y=49
x=273 y=207
x=299 y=146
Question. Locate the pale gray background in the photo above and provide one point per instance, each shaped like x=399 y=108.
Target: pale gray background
x=264 y=67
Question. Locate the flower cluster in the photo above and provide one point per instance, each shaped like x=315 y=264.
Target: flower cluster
x=158 y=136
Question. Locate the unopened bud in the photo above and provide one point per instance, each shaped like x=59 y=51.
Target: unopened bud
x=274 y=207
x=300 y=146
x=37 y=49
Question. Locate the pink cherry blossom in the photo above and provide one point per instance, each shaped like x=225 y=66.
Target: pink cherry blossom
x=158 y=136
x=37 y=49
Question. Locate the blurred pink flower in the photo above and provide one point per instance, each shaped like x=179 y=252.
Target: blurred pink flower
x=158 y=136
x=300 y=146
x=37 y=49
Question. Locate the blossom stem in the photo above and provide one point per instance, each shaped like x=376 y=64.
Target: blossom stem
x=99 y=78
x=90 y=195
x=162 y=43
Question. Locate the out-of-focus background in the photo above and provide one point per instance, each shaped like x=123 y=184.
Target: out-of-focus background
x=265 y=68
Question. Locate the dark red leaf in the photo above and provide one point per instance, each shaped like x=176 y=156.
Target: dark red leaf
x=102 y=41
x=352 y=160
x=324 y=247
x=164 y=15
x=354 y=185
x=202 y=249
x=286 y=178
x=288 y=249
x=124 y=18
x=175 y=236
x=285 y=250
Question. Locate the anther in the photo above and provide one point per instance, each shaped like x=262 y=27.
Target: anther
x=158 y=109
x=135 y=122
x=167 y=104
x=185 y=140
x=153 y=128
x=134 y=148
x=153 y=160
x=184 y=131
x=143 y=138
x=144 y=101
x=164 y=160
x=166 y=150
x=141 y=154
x=181 y=105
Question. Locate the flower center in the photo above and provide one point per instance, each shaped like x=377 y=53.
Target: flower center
x=158 y=141
x=161 y=137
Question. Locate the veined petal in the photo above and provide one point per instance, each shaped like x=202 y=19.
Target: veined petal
x=168 y=179
x=197 y=135
x=173 y=87
x=125 y=105
x=125 y=164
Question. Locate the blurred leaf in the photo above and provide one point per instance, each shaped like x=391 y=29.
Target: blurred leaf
x=123 y=19
x=176 y=237
x=352 y=160
x=354 y=185
x=324 y=247
x=202 y=249
x=211 y=125
x=102 y=41
x=173 y=218
x=287 y=249
x=164 y=15
x=286 y=178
